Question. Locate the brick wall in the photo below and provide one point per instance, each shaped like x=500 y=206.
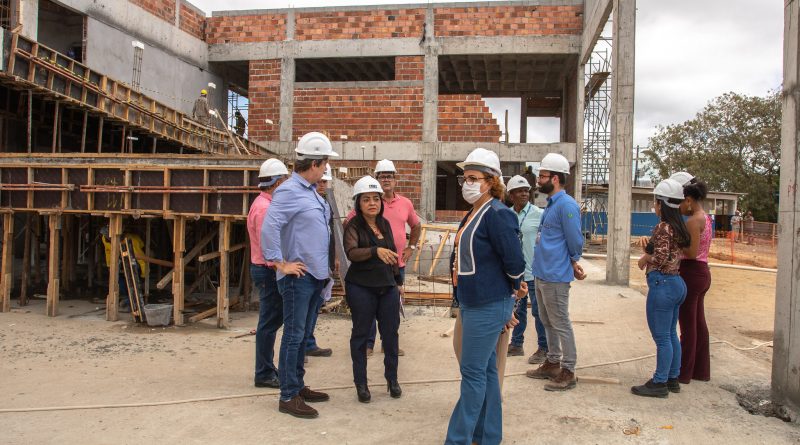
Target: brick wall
x=409 y=176
x=363 y=114
x=409 y=68
x=265 y=99
x=374 y=24
x=508 y=20
x=163 y=9
x=451 y=216
x=246 y=28
x=192 y=20
x=466 y=118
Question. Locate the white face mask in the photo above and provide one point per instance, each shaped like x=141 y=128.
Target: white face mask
x=471 y=192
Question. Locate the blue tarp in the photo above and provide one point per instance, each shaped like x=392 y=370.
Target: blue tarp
x=597 y=223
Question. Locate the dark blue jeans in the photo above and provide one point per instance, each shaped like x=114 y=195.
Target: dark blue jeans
x=270 y=319
x=311 y=341
x=300 y=295
x=373 y=330
x=518 y=334
x=664 y=297
x=366 y=305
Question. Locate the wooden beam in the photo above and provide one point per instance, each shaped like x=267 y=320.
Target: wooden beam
x=83 y=131
x=7 y=261
x=203 y=315
x=148 y=253
x=212 y=255
x=100 y=135
x=178 y=247
x=30 y=119
x=53 y=280
x=224 y=269
x=189 y=256
x=112 y=300
x=26 y=263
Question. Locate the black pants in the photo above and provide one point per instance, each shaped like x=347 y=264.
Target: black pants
x=368 y=304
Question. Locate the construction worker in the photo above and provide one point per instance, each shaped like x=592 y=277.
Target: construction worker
x=200 y=111
x=558 y=249
x=529 y=217
x=241 y=125
x=399 y=211
x=270 y=316
x=138 y=251
x=298 y=241
x=312 y=348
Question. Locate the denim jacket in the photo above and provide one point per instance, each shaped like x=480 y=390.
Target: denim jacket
x=490 y=260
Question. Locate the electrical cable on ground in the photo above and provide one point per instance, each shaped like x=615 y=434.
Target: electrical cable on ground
x=328 y=388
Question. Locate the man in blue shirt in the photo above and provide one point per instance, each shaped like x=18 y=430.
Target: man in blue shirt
x=528 y=216
x=296 y=239
x=558 y=248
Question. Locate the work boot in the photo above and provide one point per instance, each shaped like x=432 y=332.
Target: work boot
x=673 y=385
x=400 y=352
x=514 y=350
x=268 y=383
x=320 y=352
x=538 y=357
x=651 y=389
x=309 y=395
x=565 y=380
x=298 y=408
x=546 y=371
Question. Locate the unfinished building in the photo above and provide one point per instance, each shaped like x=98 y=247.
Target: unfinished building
x=95 y=128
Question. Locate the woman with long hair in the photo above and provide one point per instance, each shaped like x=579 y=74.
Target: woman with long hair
x=371 y=285
x=488 y=268
x=666 y=289
x=696 y=359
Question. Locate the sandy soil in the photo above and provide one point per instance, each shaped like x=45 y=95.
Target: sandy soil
x=83 y=360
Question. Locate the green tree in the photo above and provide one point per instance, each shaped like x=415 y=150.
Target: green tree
x=733 y=145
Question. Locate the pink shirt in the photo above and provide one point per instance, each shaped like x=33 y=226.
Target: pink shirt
x=705 y=241
x=258 y=210
x=398 y=211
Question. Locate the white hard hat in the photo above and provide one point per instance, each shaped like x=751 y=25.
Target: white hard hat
x=554 y=162
x=385 y=166
x=669 y=189
x=272 y=167
x=683 y=178
x=518 y=182
x=314 y=145
x=327 y=175
x=367 y=184
x=481 y=157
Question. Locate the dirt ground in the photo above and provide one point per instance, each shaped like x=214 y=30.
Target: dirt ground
x=79 y=359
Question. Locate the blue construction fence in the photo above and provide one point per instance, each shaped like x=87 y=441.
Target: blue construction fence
x=596 y=223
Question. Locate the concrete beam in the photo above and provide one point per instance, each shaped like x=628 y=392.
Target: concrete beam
x=621 y=162
x=786 y=349
x=407 y=46
x=595 y=16
x=400 y=6
x=362 y=84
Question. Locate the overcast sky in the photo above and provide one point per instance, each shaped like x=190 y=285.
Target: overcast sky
x=687 y=53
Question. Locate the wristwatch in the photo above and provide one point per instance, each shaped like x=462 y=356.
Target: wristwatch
x=412 y=247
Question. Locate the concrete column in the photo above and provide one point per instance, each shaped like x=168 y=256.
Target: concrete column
x=178 y=14
x=430 y=120
x=786 y=350
x=29 y=18
x=523 y=119
x=619 y=192
x=580 y=95
x=287 y=99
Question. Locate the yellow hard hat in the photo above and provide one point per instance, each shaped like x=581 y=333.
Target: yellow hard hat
x=203 y=92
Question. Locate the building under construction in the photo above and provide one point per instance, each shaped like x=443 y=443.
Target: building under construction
x=96 y=127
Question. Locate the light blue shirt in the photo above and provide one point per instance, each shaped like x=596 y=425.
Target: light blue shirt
x=560 y=241
x=529 y=218
x=296 y=227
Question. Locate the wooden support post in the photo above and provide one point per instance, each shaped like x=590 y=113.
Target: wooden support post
x=30 y=119
x=83 y=131
x=147 y=252
x=224 y=268
x=100 y=135
x=26 y=263
x=189 y=256
x=55 y=128
x=8 y=261
x=91 y=254
x=112 y=300
x=53 y=278
x=36 y=275
x=178 y=246
x=66 y=251
x=124 y=139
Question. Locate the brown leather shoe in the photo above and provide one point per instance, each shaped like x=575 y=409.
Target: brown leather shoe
x=515 y=350
x=298 y=408
x=309 y=395
x=565 y=380
x=546 y=371
x=538 y=357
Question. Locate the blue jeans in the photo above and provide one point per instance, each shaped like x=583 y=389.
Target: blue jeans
x=300 y=295
x=311 y=341
x=373 y=330
x=270 y=319
x=478 y=414
x=518 y=334
x=664 y=297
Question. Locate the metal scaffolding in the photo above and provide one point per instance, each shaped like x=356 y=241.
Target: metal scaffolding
x=597 y=115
